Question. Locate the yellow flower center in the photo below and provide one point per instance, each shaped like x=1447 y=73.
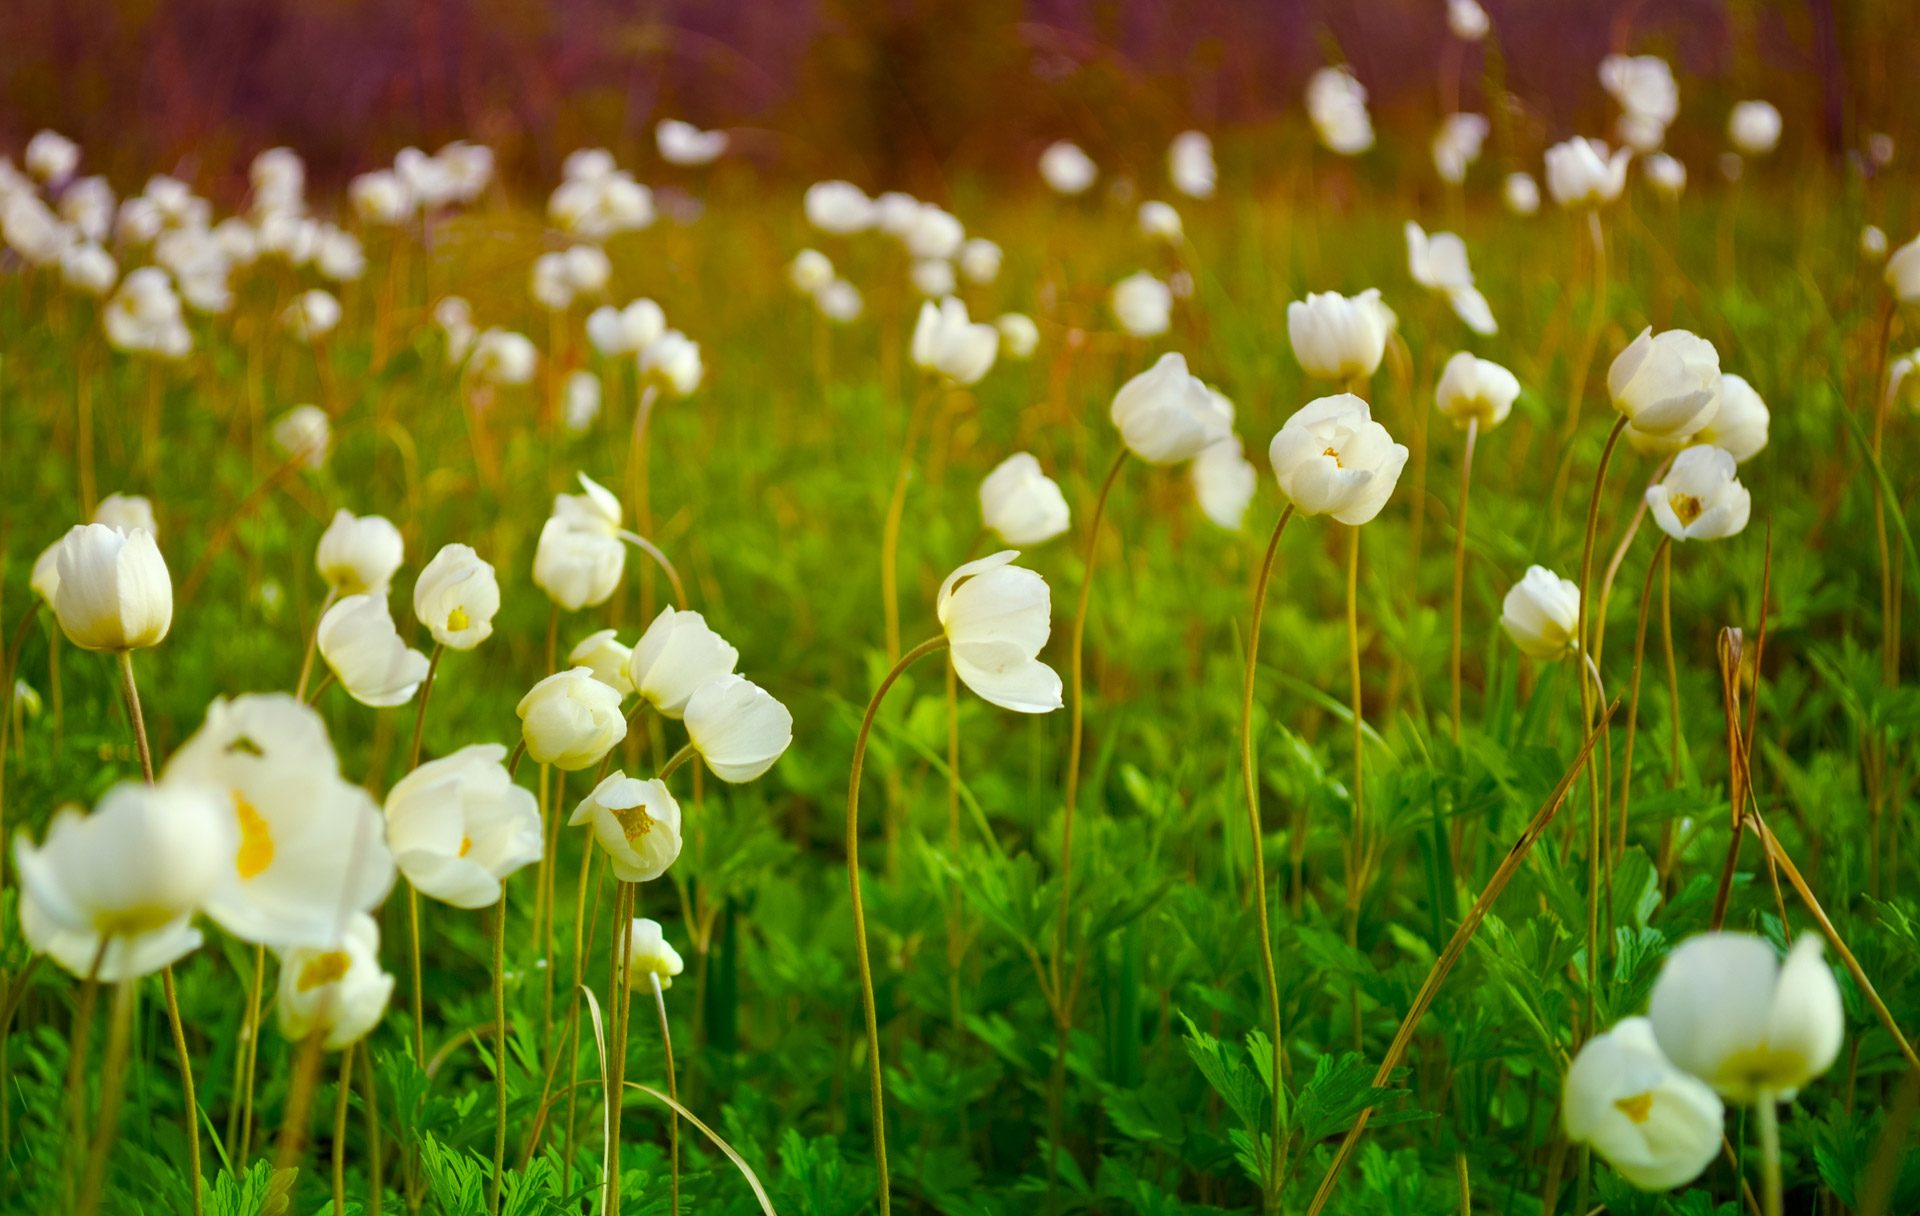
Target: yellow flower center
x=634 y=822
x=322 y=969
x=466 y=845
x=457 y=620
x=256 y=841
x=1686 y=506
x=1637 y=1108
x=1336 y=457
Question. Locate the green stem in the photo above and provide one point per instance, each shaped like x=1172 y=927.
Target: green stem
x=673 y=1091
x=113 y=1081
x=499 y=1049
x=875 y=1081
x=1460 y=563
x=313 y=644
x=1596 y=810
x=1768 y=1113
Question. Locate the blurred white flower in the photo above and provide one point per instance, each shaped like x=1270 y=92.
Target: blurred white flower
x=303 y=434
x=279 y=180
x=337 y=990
x=580 y=395
x=1728 y=1011
x=1456 y=145
x=1580 y=173
x=87 y=204
x=1018 y=334
x=1066 y=168
x=312 y=315
x=1467 y=20
x=996 y=617
x=1337 y=107
x=1903 y=272
x=359 y=555
x=1337 y=337
x=676 y=359
x=144 y=316
x=503 y=357
x=337 y=255
x=1740 y=423
x=1143 y=305
x=1873 y=243
x=1224 y=482
x=381 y=198
x=127 y=512
x=1521 y=193
x=933 y=233
x=1657 y=1126
x=1190 y=164
x=839 y=301
x=1472 y=389
x=51 y=156
x=1159 y=221
x=33 y=230
x=650 y=957
x=1754 y=127
x=809 y=271
x=840 y=208
x=980 y=260
x=625 y=331
x=1647 y=94
x=895 y=213
x=580 y=556
x=682 y=143
x=933 y=277
x=1439 y=263
x=1021 y=504
x=1666 y=175
x=948 y=343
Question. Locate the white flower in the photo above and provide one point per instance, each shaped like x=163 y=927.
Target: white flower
x=338 y=989
x=587 y=268
x=138 y=221
x=380 y=197
x=933 y=233
x=682 y=143
x=337 y=255
x=1701 y=498
x=87 y=204
x=1740 y=423
x=1754 y=127
x=809 y=271
x=1657 y=1126
x=625 y=331
x=1903 y=272
x=45 y=579
x=1018 y=334
x=1728 y=1011
x=1522 y=193
x=144 y=315
x=1143 y=305
x=359 y=554
x=312 y=315
x=1066 y=168
x=89 y=268
x=839 y=301
x=32 y=229
x=1159 y=221
x=674 y=657
x=1474 y=388
x=676 y=359
x=114 y=592
x=279 y=179
x=997 y=617
x=1439 y=263
x=1467 y=20
x=459 y=827
x=1223 y=482
x=126 y=512
x=1873 y=243
x=1666 y=175
x=364 y=651
x=1190 y=164
x=503 y=357
x=456 y=597
x=311 y=846
x=1581 y=174
x=51 y=156
x=1337 y=107
x=895 y=213
x=580 y=398
x=636 y=822
x=303 y=434
x=649 y=956
x=980 y=260
x=1021 y=504
x=1336 y=337
x=1667 y=385
x=580 y=557
x=455 y=318
x=131 y=873
x=570 y=720
x=1542 y=614
x=738 y=728
x=1456 y=145
x=933 y=277
x=946 y=342
x=548 y=283
x=1332 y=458
x=1166 y=415
x=838 y=207
x=602 y=654
x=1649 y=98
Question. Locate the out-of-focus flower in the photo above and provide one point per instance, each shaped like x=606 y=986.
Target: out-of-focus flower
x=279 y=180
x=948 y=343
x=1903 y=272
x=997 y=617
x=337 y=255
x=362 y=648
x=1701 y=497
x=1337 y=106
x=87 y=204
x=980 y=260
x=1159 y=221
x=580 y=397
x=933 y=277
x=126 y=513
x=1666 y=175
x=1456 y=145
x=1542 y=614
x=625 y=331
x=580 y=556
x=503 y=357
x=674 y=657
x=337 y=990
x=636 y=822
x=1754 y=127
x=144 y=316
x=1066 y=168
x=1018 y=334
x=895 y=213
x=1143 y=305
x=455 y=318
x=1657 y=1126
x=33 y=231
x=1439 y=263
x=602 y=654
x=1190 y=164
x=51 y=156
x=838 y=207
x=1332 y=458
x=809 y=271
x=1475 y=389
x=1580 y=173
x=304 y=434
x=1668 y=385
x=933 y=233
x=1224 y=482
x=1728 y=1011
x=113 y=590
x=1740 y=423
x=358 y=555
x=676 y=359
x=570 y=720
x=130 y=874
x=1873 y=243
x=456 y=597
x=649 y=957
x=1021 y=504
x=1467 y=20
x=1648 y=96
x=1167 y=415
x=682 y=143
x=312 y=315
x=839 y=301
x=1337 y=337
x=380 y=197
x=1521 y=193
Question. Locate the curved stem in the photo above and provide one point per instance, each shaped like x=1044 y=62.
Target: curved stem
x=890 y=530
x=659 y=559
x=1633 y=696
x=1587 y=707
x=1251 y=780
x=252 y=1052
x=1620 y=550
x=420 y=714
x=874 y=1078
x=687 y=752
x=499 y=1049
x=187 y=1094
x=313 y=644
x=321 y=689
x=1357 y=859
x=519 y=750
x=673 y=1091
x=1460 y=562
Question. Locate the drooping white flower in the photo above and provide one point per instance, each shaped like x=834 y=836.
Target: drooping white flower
x=650 y=957
x=1542 y=614
x=1456 y=145
x=1740 y=423
x=738 y=728
x=674 y=657
x=570 y=720
x=997 y=616
x=362 y=648
x=580 y=557
x=602 y=654
x=1167 y=415
x=1021 y=504
x=1728 y=1011
x=358 y=555
x=1439 y=263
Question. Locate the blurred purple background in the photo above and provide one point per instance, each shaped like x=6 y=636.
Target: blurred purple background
x=887 y=91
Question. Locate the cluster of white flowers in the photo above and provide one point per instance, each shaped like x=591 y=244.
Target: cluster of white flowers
x=597 y=200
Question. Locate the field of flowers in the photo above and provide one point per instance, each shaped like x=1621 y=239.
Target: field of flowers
x=1335 y=679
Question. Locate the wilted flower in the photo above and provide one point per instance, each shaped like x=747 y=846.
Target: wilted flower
x=1472 y=388
x=114 y=592
x=1018 y=334
x=1336 y=337
x=1667 y=385
x=1754 y=127
x=602 y=654
x=1143 y=305
x=650 y=957
x=458 y=826
x=1337 y=106
x=737 y=727
x=1542 y=614
x=636 y=822
x=456 y=597
x=358 y=555
x=312 y=315
x=674 y=657
x=1740 y=423
x=838 y=207
x=131 y=873
x=1332 y=458
x=1167 y=415
x=946 y=342
x=1190 y=164
x=1066 y=168
x=1021 y=503
x=364 y=651
x=1456 y=145
x=1522 y=193
x=682 y=143
x=1657 y=1126
x=1726 y=1010
x=1224 y=481
x=997 y=617
x=337 y=990
x=1581 y=174
x=1701 y=498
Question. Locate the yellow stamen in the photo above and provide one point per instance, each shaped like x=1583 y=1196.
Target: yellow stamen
x=634 y=822
x=1686 y=506
x=256 y=841
x=1336 y=457
x=323 y=969
x=1638 y=1107
x=466 y=845
x=457 y=620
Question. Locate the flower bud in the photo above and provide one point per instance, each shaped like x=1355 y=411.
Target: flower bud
x=1754 y=127
x=676 y=655
x=676 y=359
x=1472 y=388
x=840 y=208
x=1018 y=334
x=809 y=271
x=1143 y=305
x=570 y=720
x=1339 y=338
x=304 y=433
x=980 y=260
x=114 y=592
x=649 y=956
x=456 y=596
x=1666 y=175
x=603 y=654
x=1067 y=169
x=1190 y=164
x=1542 y=614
